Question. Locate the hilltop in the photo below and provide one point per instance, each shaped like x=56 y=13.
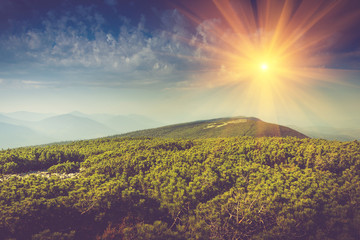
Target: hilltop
x=220 y=127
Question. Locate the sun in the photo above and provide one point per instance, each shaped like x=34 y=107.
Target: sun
x=264 y=67
x=273 y=52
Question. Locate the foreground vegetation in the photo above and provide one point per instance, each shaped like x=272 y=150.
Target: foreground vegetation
x=227 y=188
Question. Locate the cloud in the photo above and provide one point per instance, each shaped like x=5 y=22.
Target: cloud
x=16 y=83
x=111 y=3
x=33 y=40
x=31 y=82
x=348 y=60
x=129 y=54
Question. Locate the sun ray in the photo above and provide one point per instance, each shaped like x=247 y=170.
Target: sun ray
x=273 y=49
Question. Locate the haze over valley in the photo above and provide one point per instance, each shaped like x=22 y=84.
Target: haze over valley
x=27 y=129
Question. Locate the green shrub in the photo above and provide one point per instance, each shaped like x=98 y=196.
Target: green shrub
x=66 y=167
x=48 y=235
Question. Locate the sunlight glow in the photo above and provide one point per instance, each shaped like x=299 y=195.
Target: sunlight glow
x=292 y=36
x=264 y=67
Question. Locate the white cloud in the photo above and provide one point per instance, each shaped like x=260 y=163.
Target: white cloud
x=31 y=82
x=205 y=31
x=131 y=54
x=11 y=83
x=35 y=84
x=71 y=48
x=33 y=40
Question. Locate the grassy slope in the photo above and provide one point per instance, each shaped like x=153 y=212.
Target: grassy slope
x=223 y=127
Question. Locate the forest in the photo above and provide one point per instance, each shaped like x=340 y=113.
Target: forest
x=153 y=188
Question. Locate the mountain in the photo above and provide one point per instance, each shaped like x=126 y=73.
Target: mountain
x=330 y=133
x=121 y=123
x=70 y=127
x=19 y=128
x=28 y=116
x=129 y=123
x=221 y=127
x=10 y=120
x=16 y=136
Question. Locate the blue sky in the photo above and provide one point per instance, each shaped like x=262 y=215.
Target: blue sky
x=153 y=58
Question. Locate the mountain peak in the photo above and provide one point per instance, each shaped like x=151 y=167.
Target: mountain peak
x=220 y=127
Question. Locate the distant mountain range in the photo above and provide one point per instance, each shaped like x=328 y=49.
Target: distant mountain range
x=330 y=133
x=221 y=127
x=16 y=136
x=27 y=128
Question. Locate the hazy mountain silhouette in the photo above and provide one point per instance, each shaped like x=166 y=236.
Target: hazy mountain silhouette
x=28 y=116
x=16 y=136
x=70 y=127
x=330 y=133
x=27 y=128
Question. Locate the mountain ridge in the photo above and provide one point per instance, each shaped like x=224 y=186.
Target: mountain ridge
x=219 y=127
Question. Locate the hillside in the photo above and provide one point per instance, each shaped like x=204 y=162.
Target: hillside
x=221 y=127
x=218 y=188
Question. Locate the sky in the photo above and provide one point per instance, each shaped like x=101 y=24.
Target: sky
x=287 y=62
